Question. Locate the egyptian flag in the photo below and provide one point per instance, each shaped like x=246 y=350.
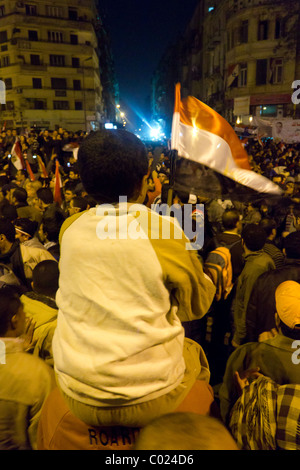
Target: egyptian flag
x=17 y=156
x=211 y=160
x=57 y=184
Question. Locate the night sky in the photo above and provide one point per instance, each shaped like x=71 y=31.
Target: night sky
x=140 y=31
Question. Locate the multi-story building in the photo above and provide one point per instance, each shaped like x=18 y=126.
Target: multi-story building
x=261 y=58
x=241 y=57
x=49 y=61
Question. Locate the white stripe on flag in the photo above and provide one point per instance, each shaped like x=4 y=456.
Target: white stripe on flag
x=213 y=151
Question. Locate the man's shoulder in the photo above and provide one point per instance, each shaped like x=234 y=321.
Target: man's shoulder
x=279 y=273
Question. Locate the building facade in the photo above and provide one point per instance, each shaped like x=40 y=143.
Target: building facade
x=49 y=57
x=241 y=57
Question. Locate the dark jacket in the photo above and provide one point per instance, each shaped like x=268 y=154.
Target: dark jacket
x=256 y=264
x=261 y=308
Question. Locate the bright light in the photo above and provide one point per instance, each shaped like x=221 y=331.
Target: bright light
x=238 y=121
x=118 y=105
x=108 y=125
x=251 y=118
x=122 y=114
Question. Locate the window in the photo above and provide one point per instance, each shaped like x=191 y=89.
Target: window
x=263 y=27
x=55 y=36
x=279 y=29
x=75 y=62
x=243 y=74
x=3 y=37
x=73 y=15
x=76 y=84
x=244 y=32
x=268 y=110
x=31 y=10
x=4 y=48
x=54 y=12
x=8 y=83
x=78 y=105
x=5 y=61
x=33 y=36
x=74 y=39
x=2 y=10
x=37 y=83
x=58 y=83
x=261 y=71
x=39 y=104
x=35 y=59
x=57 y=60
x=60 y=104
x=10 y=105
x=276 y=70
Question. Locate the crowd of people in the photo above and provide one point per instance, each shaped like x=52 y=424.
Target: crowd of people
x=132 y=335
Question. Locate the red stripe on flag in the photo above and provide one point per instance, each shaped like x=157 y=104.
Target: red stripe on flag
x=29 y=171
x=57 y=190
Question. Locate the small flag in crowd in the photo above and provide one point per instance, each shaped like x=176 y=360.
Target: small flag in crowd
x=57 y=184
x=17 y=156
x=201 y=135
x=42 y=167
x=29 y=171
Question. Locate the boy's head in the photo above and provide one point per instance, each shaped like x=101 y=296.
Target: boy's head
x=113 y=163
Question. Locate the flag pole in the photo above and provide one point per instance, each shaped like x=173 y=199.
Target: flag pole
x=173 y=159
x=174 y=143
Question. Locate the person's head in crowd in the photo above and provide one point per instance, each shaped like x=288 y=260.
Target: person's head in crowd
x=270 y=227
x=231 y=221
x=19 y=197
x=287 y=297
x=90 y=200
x=45 y=277
x=113 y=163
x=289 y=187
x=12 y=315
x=264 y=209
x=291 y=246
x=7 y=235
x=50 y=225
x=253 y=237
x=25 y=229
x=9 y=212
x=21 y=176
x=45 y=197
x=278 y=179
x=163 y=177
x=185 y=431
x=69 y=191
x=8 y=189
x=77 y=204
x=73 y=174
